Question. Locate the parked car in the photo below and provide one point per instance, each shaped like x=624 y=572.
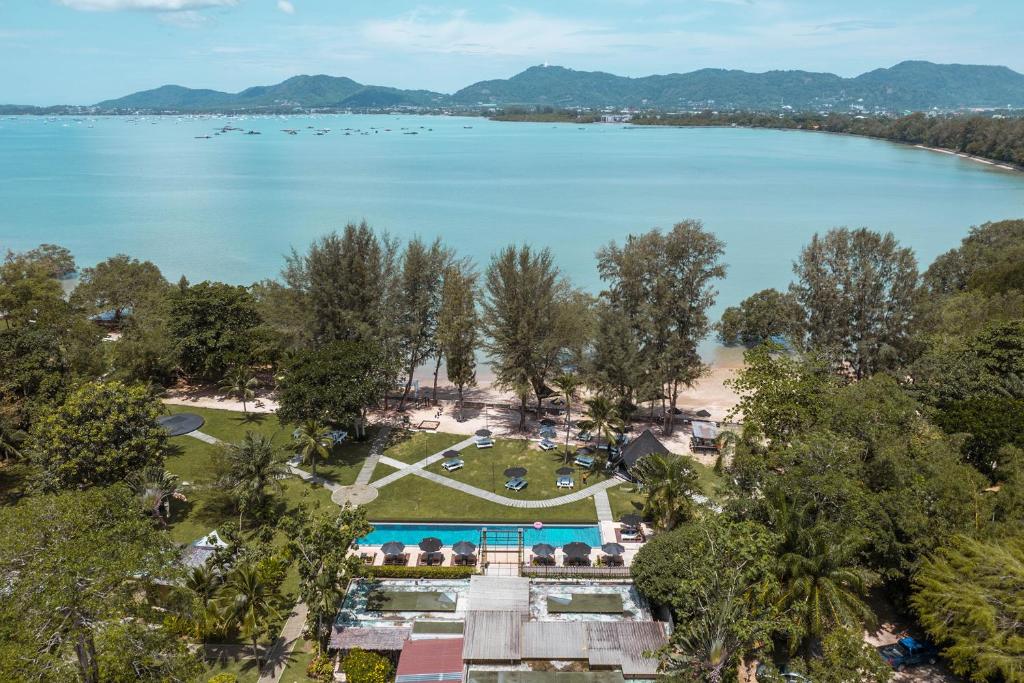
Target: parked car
x=908 y=652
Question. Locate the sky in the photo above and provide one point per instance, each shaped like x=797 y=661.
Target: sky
x=85 y=51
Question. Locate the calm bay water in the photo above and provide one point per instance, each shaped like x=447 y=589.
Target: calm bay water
x=229 y=207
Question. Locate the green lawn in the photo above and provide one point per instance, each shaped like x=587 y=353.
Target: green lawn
x=625 y=498
x=300 y=658
x=413 y=499
x=232 y=661
x=485 y=469
x=410 y=447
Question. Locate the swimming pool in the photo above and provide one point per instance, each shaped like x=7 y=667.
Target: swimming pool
x=450 y=534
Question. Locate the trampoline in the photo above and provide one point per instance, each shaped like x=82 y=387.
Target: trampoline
x=181 y=423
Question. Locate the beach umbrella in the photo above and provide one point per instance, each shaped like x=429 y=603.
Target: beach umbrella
x=631 y=519
x=543 y=550
x=430 y=544
x=450 y=454
x=564 y=470
x=483 y=432
x=464 y=548
x=576 y=549
x=585 y=451
x=703 y=413
x=613 y=549
x=515 y=472
x=393 y=548
x=547 y=422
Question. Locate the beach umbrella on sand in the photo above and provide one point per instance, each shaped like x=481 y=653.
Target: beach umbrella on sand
x=631 y=519
x=483 y=432
x=393 y=548
x=464 y=548
x=515 y=472
x=430 y=544
x=564 y=470
x=547 y=422
x=613 y=549
x=585 y=451
x=702 y=413
x=576 y=549
x=543 y=550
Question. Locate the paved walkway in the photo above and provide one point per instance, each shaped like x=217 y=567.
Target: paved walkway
x=405 y=468
x=516 y=502
x=203 y=436
x=280 y=652
x=603 y=505
x=376 y=452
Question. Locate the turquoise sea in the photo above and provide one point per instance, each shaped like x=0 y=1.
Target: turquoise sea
x=231 y=206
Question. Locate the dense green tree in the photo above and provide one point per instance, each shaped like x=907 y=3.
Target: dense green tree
x=665 y=280
x=527 y=318
x=603 y=420
x=988 y=253
x=286 y=314
x=336 y=383
x=846 y=658
x=319 y=544
x=118 y=285
x=990 y=422
x=348 y=282
x=254 y=468
x=312 y=440
x=457 y=328
x=250 y=600
x=102 y=433
x=617 y=362
x=34 y=371
x=212 y=326
x=858 y=289
x=718 y=577
x=669 y=484
x=29 y=293
x=56 y=261
x=764 y=316
x=418 y=303
x=75 y=565
x=969 y=598
x=240 y=383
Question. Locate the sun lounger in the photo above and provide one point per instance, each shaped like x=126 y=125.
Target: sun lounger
x=452 y=464
x=547 y=445
x=565 y=482
x=584 y=461
x=485 y=442
x=515 y=484
x=399 y=560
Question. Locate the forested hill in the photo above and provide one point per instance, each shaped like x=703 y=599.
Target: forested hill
x=299 y=91
x=908 y=85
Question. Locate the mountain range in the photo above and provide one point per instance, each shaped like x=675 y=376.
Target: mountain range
x=912 y=85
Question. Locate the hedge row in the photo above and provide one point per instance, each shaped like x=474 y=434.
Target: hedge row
x=400 y=572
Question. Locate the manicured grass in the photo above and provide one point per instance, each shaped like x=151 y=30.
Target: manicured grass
x=410 y=447
x=232 y=660
x=301 y=656
x=625 y=499
x=582 y=603
x=414 y=499
x=381 y=471
x=485 y=469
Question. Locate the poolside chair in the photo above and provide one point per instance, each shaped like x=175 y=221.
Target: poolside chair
x=465 y=560
x=565 y=482
x=430 y=559
x=515 y=484
x=452 y=464
x=397 y=560
x=584 y=436
x=547 y=445
x=541 y=561
x=583 y=461
x=485 y=442
x=367 y=558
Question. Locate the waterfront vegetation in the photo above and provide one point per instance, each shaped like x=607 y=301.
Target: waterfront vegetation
x=880 y=447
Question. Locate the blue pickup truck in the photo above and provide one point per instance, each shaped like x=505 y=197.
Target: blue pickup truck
x=908 y=652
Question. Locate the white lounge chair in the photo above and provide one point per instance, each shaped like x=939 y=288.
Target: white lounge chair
x=485 y=442
x=547 y=445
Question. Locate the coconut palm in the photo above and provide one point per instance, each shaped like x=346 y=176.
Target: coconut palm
x=322 y=596
x=254 y=464
x=155 y=488
x=313 y=440
x=567 y=384
x=670 y=483
x=603 y=419
x=249 y=601
x=823 y=585
x=240 y=383
x=204 y=582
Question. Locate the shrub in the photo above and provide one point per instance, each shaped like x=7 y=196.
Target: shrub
x=320 y=668
x=223 y=678
x=366 y=667
x=400 y=572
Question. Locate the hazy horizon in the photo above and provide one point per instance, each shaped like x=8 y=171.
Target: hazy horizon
x=86 y=51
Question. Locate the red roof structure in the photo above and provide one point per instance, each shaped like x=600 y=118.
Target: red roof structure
x=430 y=659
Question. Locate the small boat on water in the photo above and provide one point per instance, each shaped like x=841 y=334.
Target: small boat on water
x=202 y=137
x=253 y=132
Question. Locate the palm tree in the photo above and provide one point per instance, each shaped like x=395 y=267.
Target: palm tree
x=249 y=601
x=204 y=582
x=322 y=595
x=670 y=483
x=241 y=383
x=313 y=439
x=253 y=465
x=823 y=585
x=155 y=488
x=604 y=420
x=568 y=384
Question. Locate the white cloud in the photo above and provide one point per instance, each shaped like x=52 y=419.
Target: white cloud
x=184 y=19
x=151 y=5
x=286 y=6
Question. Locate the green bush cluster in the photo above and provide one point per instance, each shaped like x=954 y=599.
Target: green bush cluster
x=320 y=668
x=366 y=667
x=223 y=678
x=421 y=572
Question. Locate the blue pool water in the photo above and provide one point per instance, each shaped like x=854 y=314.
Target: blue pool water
x=450 y=534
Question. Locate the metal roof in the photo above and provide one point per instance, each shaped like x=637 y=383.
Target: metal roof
x=704 y=430
x=378 y=638
x=492 y=637
x=553 y=640
x=430 y=660
x=499 y=593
